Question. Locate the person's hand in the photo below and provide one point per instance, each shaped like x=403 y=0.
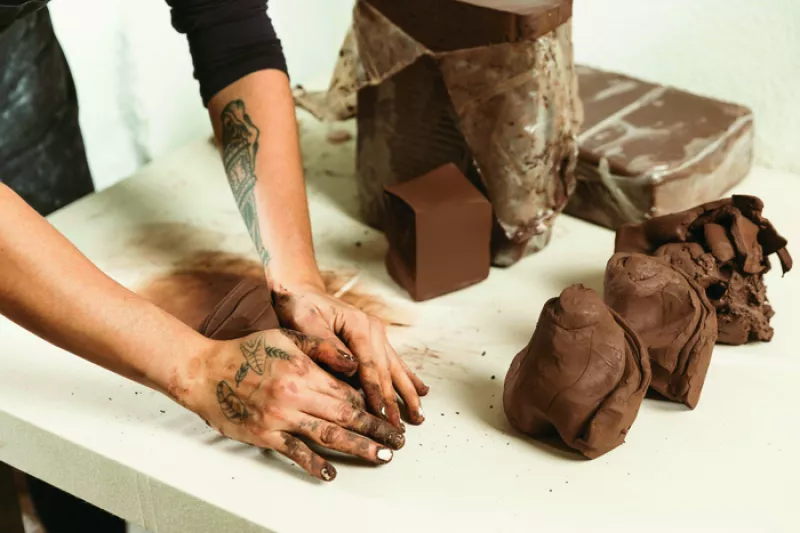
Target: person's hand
x=310 y=309
x=267 y=390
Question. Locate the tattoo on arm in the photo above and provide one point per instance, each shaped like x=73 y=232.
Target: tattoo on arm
x=232 y=406
x=239 y=149
x=256 y=353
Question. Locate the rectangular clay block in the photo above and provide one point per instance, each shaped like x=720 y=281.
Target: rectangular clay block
x=438 y=227
x=647 y=150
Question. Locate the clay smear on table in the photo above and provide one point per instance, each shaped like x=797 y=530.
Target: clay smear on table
x=194 y=287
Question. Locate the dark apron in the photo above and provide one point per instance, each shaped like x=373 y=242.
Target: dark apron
x=42 y=156
x=43 y=159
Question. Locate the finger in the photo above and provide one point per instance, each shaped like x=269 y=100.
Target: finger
x=405 y=387
x=380 y=343
x=422 y=389
x=356 y=420
x=356 y=332
x=317 y=327
x=300 y=453
x=326 y=384
x=323 y=352
x=341 y=440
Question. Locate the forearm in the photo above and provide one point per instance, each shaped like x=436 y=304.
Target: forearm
x=254 y=121
x=48 y=287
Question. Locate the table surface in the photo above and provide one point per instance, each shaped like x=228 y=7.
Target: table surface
x=730 y=465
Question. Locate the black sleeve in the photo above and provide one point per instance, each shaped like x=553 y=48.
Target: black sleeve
x=228 y=40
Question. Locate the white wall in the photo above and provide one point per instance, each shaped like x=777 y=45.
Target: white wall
x=139 y=99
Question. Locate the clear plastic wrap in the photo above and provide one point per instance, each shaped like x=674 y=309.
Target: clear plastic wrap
x=649 y=150
x=506 y=113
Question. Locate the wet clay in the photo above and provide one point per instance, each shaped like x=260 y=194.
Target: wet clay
x=724 y=247
x=439 y=230
x=672 y=316
x=583 y=375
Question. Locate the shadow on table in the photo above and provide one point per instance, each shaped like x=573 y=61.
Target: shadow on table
x=484 y=396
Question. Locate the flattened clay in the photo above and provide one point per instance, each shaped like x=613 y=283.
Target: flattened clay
x=246 y=309
x=584 y=375
x=648 y=150
x=724 y=247
x=672 y=316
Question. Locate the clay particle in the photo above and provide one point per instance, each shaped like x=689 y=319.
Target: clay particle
x=163 y=412
x=358 y=244
x=484 y=353
x=493 y=377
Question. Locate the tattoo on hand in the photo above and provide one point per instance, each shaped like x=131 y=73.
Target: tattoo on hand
x=239 y=149
x=255 y=354
x=232 y=406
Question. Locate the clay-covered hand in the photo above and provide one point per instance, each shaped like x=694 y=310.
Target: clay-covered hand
x=266 y=390
x=382 y=372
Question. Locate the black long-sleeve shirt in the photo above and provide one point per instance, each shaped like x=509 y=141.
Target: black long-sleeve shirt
x=228 y=39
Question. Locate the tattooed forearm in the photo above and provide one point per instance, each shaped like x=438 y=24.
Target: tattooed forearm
x=232 y=406
x=256 y=353
x=239 y=149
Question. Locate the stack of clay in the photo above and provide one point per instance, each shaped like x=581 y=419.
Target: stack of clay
x=585 y=372
x=488 y=85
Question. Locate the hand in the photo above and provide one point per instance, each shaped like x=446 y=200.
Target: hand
x=267 y=390
x=311 y=310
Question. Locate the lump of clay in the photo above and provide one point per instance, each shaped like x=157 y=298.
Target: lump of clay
x=439 y=229
x=724 y=247
x=246 y=309
x=584 y=375
x=673 y=318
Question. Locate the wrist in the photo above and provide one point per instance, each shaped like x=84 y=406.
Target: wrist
x=187 y=373
x=299 y=278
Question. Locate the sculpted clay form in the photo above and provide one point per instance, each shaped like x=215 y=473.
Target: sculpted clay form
x=724 y=247
x=583 y=375
x=672 y=316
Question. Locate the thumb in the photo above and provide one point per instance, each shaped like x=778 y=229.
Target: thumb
x=324 y=352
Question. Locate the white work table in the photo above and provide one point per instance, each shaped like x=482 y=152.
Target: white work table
x=730 y=465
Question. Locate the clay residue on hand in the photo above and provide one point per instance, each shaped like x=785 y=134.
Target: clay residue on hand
x=192 y=289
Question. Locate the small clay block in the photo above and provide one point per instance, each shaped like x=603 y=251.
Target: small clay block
x=583 y=375
x=439 y=228
x=647 y=150
x=672 y=316
x=724 y=247
x=246 y=309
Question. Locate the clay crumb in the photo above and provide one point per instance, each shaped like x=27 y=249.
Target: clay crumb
x=483 y=354
x=358 y=244
x=163 y=412
x=491 y=407
x=493 y=377
x=458 y=413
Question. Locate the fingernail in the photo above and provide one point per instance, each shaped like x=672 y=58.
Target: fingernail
x=396 y=440
x=402 y=426
x=383 y=411
x=385 y=455
x=420 y=413
x=328 y=473
x=346 y=355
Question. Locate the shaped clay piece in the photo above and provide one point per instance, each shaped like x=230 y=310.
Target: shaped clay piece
x=583 y=375
x=672 y=316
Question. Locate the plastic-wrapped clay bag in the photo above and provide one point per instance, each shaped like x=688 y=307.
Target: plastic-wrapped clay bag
x=493 y=91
